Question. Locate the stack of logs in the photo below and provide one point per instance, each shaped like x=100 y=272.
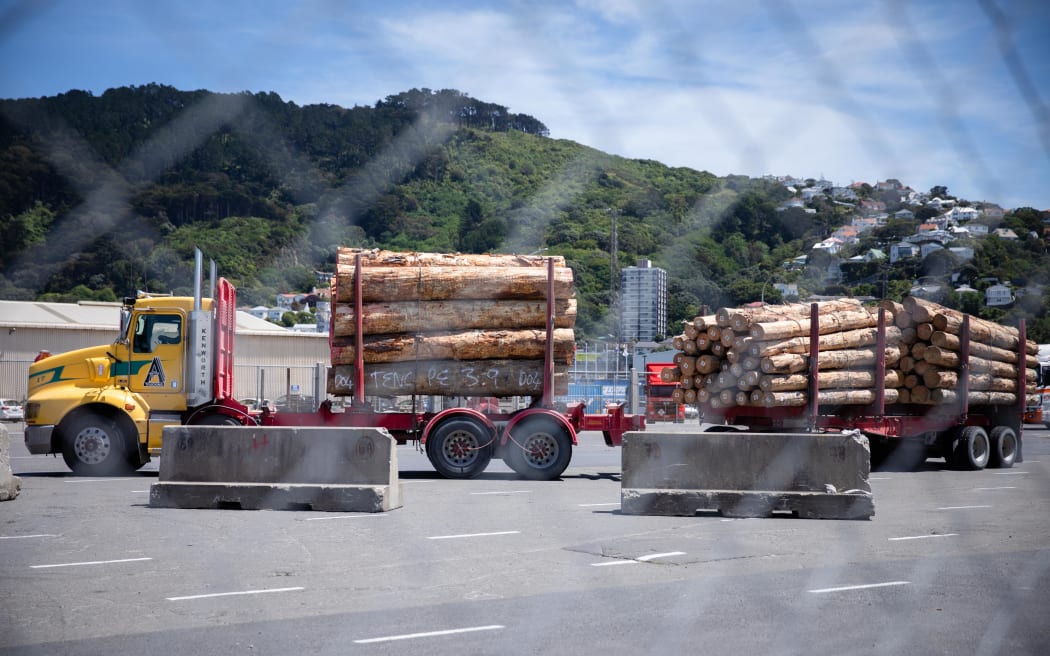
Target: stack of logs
x=760 y=356
x=450 y=324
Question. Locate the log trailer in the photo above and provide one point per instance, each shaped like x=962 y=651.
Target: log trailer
x=104 y=408
x=967 y=436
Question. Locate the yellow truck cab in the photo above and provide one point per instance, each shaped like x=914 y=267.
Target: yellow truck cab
x=104 y=408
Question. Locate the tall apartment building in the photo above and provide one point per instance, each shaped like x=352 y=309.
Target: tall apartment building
x=643 y=302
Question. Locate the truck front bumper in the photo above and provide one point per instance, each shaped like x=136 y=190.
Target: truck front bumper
x=38 y=439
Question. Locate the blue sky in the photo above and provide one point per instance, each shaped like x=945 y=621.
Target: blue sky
x=953 y=92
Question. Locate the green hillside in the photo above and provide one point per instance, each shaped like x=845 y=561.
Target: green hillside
x=104 y=195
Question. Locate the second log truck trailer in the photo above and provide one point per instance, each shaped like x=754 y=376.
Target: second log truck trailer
x=914 y=374
x=104 y=408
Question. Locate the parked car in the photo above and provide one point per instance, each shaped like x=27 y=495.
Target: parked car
x=11 y=410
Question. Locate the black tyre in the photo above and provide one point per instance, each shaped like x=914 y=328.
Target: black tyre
x=460 y=448
x=972 y=450
x=1003 y=450
x=216 y=419
x=93 y=445
x=539 y=450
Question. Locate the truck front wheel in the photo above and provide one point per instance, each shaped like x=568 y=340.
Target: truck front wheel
x=459 y=448
x=93 y=445
x=539 y=450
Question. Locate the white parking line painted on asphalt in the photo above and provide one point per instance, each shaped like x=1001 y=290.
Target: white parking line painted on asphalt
x=471 y=535
x=430 y=634
x=99 y=480
x=925 y=537
x=640 y=559
x=322 y=519
x=866 y=586
x=961 y=507
x=91 y=562
x=649 y=557
x=23 y=537
x=1009 y=473
x=482 y=494
x=234 y=594
x=880 y=478
x=1006 y=487
x=596 y=505
x=610 y=563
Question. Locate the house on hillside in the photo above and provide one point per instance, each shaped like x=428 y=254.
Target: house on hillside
x=962 y=214
x=927 y=290
x=869 y=206
x=998 y=295
x=928 y=248
x=847 y=234
x=992 y=211
x=1005 y=233
x=864 y=223
x=902 y=250
x=905 y=214
x=962 y=252
x=831 y=245
x=265 y=313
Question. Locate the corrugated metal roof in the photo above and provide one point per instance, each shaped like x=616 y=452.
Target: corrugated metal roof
x=94 y=315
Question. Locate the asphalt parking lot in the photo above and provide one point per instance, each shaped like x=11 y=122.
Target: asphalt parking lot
x=952 y=562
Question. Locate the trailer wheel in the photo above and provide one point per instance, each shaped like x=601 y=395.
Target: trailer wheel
x=972 y=450
x=93 y=445
x=1003 y=447
x=539 y=450
x=460 y=448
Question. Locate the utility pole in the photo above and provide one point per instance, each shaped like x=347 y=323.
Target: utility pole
x=614 y=272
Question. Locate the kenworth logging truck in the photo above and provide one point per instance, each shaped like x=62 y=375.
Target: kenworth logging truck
x=402 y=324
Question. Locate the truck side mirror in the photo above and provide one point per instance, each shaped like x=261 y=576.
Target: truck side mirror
x=125 y=323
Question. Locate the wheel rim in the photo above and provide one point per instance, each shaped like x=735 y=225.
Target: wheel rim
x=1007 y=445
x=460 y=448
x=541 y=450
x=92 y=445
x=979 y=450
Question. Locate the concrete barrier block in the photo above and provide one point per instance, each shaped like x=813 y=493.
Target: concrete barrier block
x=10 y=485
x=278 y=468
x=812 y=475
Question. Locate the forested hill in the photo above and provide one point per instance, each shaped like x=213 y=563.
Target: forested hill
x=104 y=195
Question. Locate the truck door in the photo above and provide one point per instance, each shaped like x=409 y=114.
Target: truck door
x=158 y=360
